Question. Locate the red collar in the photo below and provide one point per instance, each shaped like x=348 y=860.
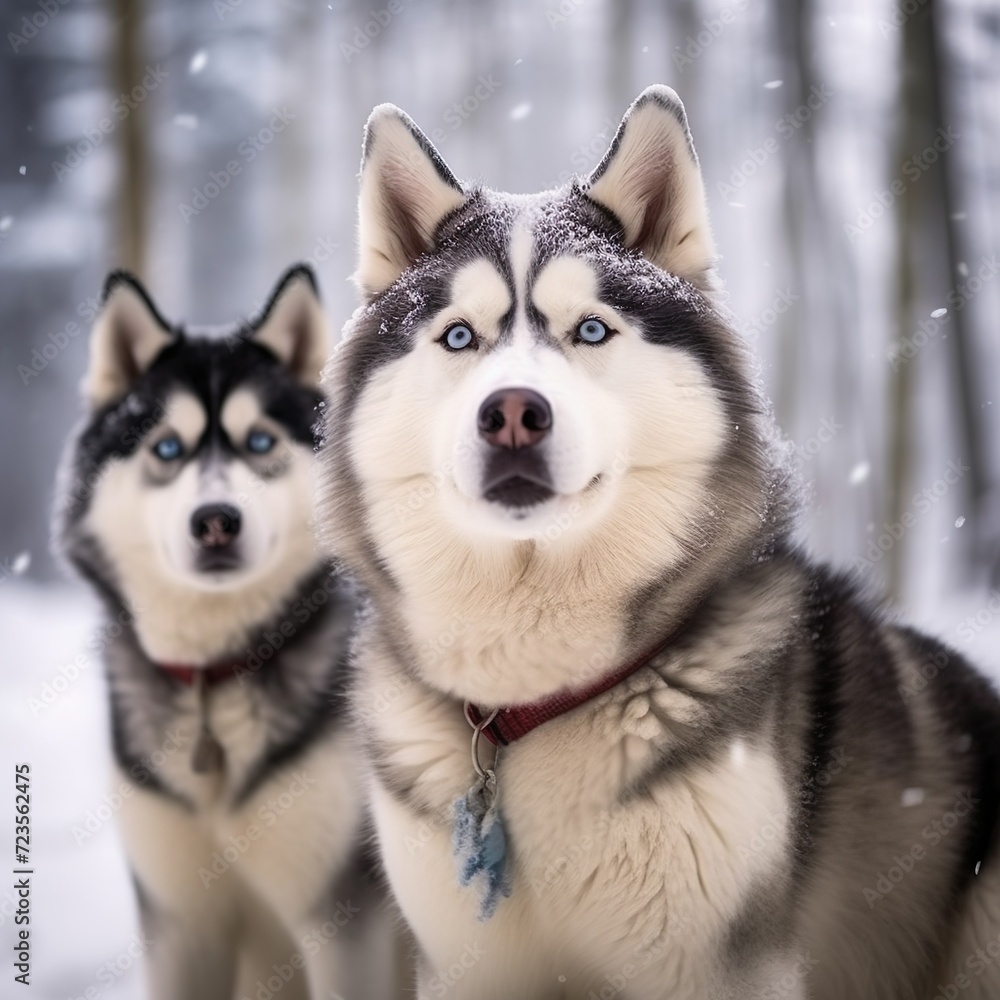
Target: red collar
x=218 y=673
x=512 y=723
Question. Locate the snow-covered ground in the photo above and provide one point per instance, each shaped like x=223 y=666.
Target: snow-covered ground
x=54 y=717
x=84 y=929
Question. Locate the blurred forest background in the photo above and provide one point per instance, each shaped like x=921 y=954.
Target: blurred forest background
x=851 y=153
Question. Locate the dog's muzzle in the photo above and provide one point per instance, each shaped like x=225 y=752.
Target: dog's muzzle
x=515 y=423
x=215 y=528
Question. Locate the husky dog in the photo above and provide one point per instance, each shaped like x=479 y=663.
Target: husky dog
x=187 y=503
x=721 y=772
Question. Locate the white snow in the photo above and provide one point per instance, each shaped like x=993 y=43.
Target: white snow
x=859 y=473
x=82 y=905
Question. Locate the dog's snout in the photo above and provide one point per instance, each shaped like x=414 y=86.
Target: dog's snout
x=215 y=525
x=515 y=418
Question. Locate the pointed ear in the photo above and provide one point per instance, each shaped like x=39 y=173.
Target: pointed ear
x=651 y=181
x=406 y=190
x=128 y=335
x=293 y=325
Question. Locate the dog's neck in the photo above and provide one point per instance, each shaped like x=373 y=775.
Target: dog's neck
x=515 y=626
x=179 y=626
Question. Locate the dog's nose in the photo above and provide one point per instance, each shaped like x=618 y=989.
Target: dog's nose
x=515 y=418
x=215 y=524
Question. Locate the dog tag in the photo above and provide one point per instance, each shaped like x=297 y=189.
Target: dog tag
x=208 y=755
x=478 y=840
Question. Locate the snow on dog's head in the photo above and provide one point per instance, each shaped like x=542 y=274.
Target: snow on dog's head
x=535 y=386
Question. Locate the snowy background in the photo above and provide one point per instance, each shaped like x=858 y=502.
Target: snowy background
x=859 y=260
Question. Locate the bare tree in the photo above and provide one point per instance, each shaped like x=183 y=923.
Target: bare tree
x=133 y=203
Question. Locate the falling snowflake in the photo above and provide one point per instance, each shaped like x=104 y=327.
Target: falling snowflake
x=911 y=797
x=22 y=170
x=962 y=268
x=938 y=313
x=21 y=563
x=859 y=473
x=520 y=111
x=773 y=84
x=198 y=61
x=186 y=121
x=959 y=522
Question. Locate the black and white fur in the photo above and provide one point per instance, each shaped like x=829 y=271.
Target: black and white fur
x=239 y=870
x=720 y=824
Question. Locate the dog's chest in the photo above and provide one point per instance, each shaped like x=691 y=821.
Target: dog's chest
x=577 y=832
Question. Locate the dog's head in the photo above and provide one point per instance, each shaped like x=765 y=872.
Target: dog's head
x=543 y=381
x=192 y=476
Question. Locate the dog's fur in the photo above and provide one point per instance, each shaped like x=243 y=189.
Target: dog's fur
x=254 y=870
x=796 y=797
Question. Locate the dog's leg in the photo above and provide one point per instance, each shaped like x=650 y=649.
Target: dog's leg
x=269 y=959
x=189 y=918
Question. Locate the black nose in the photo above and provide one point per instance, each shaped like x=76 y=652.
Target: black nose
x=215 y=524
x=515 y=418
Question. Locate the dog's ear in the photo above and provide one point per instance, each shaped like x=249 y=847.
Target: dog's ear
x=128 y=335
x=293 y=325
x=406 y=190
x=651 y=181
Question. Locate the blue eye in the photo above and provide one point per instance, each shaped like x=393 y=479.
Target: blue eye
x=459 y=337
x=592 y=331
x=260 y=442
x=168 y=449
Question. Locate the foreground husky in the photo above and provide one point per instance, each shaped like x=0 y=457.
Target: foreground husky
x=187 y=504
x=721 y=773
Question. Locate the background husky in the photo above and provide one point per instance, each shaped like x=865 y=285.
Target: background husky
x=549 y=459
x=241 y=808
